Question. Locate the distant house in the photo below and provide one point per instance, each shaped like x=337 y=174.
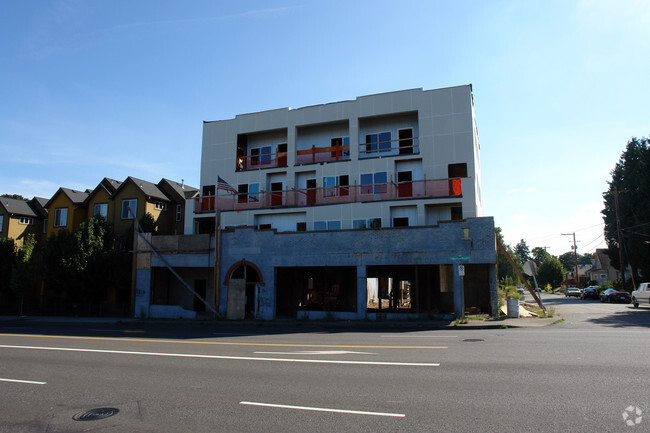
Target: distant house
x=178 y=193
x=137 y=197
x=18 y=218
x=66 y=210
x=100 y=200
x=602 y=270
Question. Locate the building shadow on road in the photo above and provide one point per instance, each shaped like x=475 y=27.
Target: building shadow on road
x=629 y=317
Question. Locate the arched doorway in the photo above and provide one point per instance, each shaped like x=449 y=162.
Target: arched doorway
x=243 y=280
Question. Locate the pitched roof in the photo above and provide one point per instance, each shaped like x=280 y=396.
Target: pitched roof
x=180 y=190
x=38 y=204
x=76 y=197
x=149 y=189
x=107 y=184
x=17 y=207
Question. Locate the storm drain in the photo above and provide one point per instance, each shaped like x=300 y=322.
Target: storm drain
x=95 y=414
x=473 y=340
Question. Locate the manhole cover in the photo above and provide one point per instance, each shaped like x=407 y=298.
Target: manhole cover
x=472 y=340
x=95 y=414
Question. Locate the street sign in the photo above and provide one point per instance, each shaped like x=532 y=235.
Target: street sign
x=461 y=270
x=459 y=257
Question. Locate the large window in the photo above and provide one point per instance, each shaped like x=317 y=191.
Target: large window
x=248 y=193
x=336 y=186
x=380 y=142
x=61 y=217
x=179 y=212
x=374 y=183
x=101 y=209
x=2 y=223
x=129 y=208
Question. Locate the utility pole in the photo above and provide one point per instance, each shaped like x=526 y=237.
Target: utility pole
x=618 y=232
x=575 y=253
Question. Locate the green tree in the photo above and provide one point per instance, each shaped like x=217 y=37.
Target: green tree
x=15 y=196
x=23 y=271
x=539 y=254
x=630 y=183
x=80 y=265
x=505 y=272
x=568 y=260
x=550 y=272
x=522 y=251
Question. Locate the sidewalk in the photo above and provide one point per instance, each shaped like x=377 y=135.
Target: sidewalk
x=472 y=322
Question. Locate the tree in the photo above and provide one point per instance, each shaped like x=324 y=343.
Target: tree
x=15 y=196
x=568 y=260
x=550 y=272
x=522 y=251
x=504 y=268
x=23 y=271
x=585 y=259
x=629 y=187
x=539 y=254
x=80 y=265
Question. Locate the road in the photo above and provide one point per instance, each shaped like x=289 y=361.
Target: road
x=579 y=375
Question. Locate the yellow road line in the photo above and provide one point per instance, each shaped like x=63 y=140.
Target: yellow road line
x=220 y=343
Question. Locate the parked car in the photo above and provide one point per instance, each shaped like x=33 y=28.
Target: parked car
x=572 y=291
x=641 y=295
x=590 y=293
x=613 y=295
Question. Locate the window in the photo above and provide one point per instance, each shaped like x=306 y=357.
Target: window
x=374 y=223
x=129 y=208
x=333 y=225
x=320 y=225
x=400 y=222
x=26 y=220
x=179 y=212
x=265 y=227
x=101 y=209
x=457 y=170
x=248 y=193
x=265 y=154
x=374 y=183
x=2 y=223
x=380 y=142
x=301 y=227
x=161 y=206
x=336 y=186
x=456 y=213
x=61 y=217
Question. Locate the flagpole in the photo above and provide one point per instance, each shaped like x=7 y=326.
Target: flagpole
x=217 y=247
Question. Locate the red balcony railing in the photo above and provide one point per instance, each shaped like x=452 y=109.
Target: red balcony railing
x=266 y=160
x=322 y=154
x=438 y=188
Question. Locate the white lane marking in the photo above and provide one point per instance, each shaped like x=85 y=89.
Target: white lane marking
x=418 y=336
x=22 y=381
x=323 y=409
x=239 y=358
x=318 y=352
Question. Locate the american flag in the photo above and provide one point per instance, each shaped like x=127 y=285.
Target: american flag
x=223 y=185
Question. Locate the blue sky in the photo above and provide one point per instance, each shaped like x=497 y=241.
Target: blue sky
x=95 y=88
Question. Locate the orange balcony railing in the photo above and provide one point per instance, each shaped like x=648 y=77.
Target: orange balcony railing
x=438 y=188
x=322 y=154
x=266 y=160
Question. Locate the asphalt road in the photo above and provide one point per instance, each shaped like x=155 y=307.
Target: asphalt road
x=579 y=375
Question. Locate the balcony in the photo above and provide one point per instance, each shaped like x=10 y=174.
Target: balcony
x=386 y=147
x=438 y=188
x=265 y=160
x=323 y=154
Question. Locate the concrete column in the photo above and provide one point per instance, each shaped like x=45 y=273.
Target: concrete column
x=459 y=293
x=362 y=292
x=494 y=301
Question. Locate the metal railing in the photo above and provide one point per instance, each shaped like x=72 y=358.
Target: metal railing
x=378 y=148
x=438 y=188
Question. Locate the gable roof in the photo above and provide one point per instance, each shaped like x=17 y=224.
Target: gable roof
x=76 y=197
x=107 y=184
x=17 y=207
x=180 y=191
x=38 y=204
x=149 y=189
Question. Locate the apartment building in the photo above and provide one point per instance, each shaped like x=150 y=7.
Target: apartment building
x=367 y=208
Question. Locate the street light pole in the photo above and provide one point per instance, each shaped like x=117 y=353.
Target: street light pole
x=575 y=254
